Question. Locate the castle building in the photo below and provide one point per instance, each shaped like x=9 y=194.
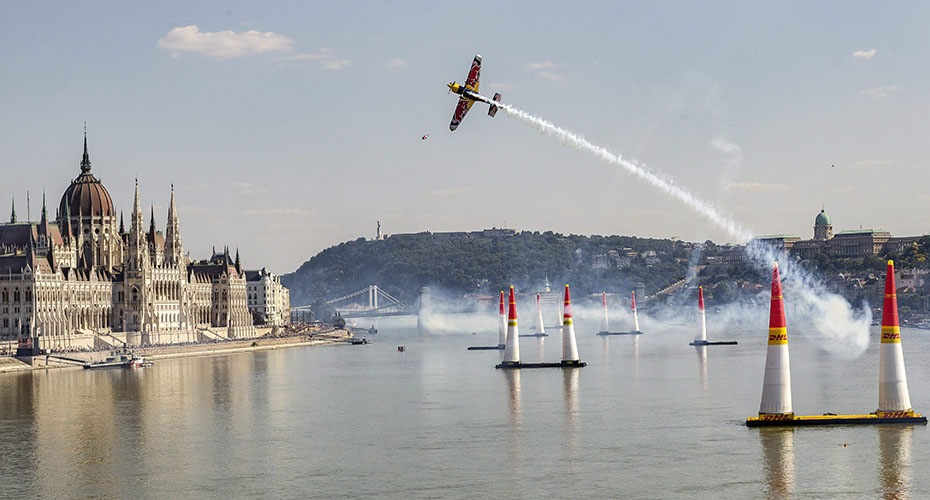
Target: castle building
x=85 y=281
x=850 y=243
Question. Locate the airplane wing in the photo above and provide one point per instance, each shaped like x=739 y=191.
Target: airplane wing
x=460 y=111
x=474 y=74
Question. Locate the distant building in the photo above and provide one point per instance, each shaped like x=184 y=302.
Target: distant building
x=650 y=258
x=849 y=243
x=782 y=242
x=269 y=301
x=910 y=278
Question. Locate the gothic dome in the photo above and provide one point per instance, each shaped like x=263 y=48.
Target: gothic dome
x=86 y=195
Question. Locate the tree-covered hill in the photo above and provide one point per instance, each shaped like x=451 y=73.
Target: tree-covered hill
x=482 y=263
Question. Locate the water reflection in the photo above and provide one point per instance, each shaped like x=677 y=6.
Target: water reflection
x=17 y=425
x=570 y=396
x=635 y=355
x=778 y=458
x=894 y=444
x=513 y=387
x=540 y=349
x=515 y=439
x=702 y=366
x=606 y=341
x=103 y=433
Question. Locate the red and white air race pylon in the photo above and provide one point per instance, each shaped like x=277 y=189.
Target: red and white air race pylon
x=604 y=324
x=701 y=336
x=776 y=388
x=893 y=398
x=569 y=346
x=512 y=345
x=540 y=327
x=635 y=316
x=502 y=325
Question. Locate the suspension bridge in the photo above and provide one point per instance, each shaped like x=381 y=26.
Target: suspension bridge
x=368 y=302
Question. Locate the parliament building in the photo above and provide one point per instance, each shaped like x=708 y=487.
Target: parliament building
x=83 y=280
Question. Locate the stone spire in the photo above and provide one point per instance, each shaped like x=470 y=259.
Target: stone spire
x=13 y=213
x=136 y=218
x=85 y=161
x=152 y=224
x=67 y=221
x=136 y=235
x=238 y=262
x=173 y=248
x=43 y=223
x=172 y=214
x=122 y=225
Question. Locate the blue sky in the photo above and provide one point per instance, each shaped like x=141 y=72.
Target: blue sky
x=302 y=134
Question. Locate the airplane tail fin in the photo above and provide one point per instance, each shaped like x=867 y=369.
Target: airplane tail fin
x=493 y=110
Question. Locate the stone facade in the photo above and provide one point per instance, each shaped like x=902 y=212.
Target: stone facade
x=269 y=301
x=86 y=281
x=850 y=243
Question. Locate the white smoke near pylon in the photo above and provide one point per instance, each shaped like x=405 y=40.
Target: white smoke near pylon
x=844 y=329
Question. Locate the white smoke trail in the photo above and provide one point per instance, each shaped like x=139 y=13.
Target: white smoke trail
x=668 y=186
x=845 y=330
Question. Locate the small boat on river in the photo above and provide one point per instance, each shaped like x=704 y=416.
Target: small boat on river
x=124 y=360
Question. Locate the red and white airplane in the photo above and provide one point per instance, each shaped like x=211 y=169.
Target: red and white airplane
x=468 y=94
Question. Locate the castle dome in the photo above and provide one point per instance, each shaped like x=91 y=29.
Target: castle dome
x=823 y=219
x=86 y=195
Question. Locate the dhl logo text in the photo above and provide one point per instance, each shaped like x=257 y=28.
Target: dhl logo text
x=787 y=416
x=894 y=414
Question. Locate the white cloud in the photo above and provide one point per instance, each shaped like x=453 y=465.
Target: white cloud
x=542 y=69
x=397 y=64
x=247 y=188
x=307 y=56
x=726 y=147
x=552 y=77
x=880 y=92
x=757 y=187
x=865 y=54
x=229 y=44
x=223 y=44
x=335 y=64
x=502 y=86
x=324 y=56
x=278 y=211
x=541 y=65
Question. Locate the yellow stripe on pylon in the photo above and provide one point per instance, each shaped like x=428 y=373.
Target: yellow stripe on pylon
x=891 y=335
x=778 y=336
x=567 y=321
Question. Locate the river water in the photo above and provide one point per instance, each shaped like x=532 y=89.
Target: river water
x=649 y=417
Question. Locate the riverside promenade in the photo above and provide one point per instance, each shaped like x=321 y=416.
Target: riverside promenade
x=321 y=336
